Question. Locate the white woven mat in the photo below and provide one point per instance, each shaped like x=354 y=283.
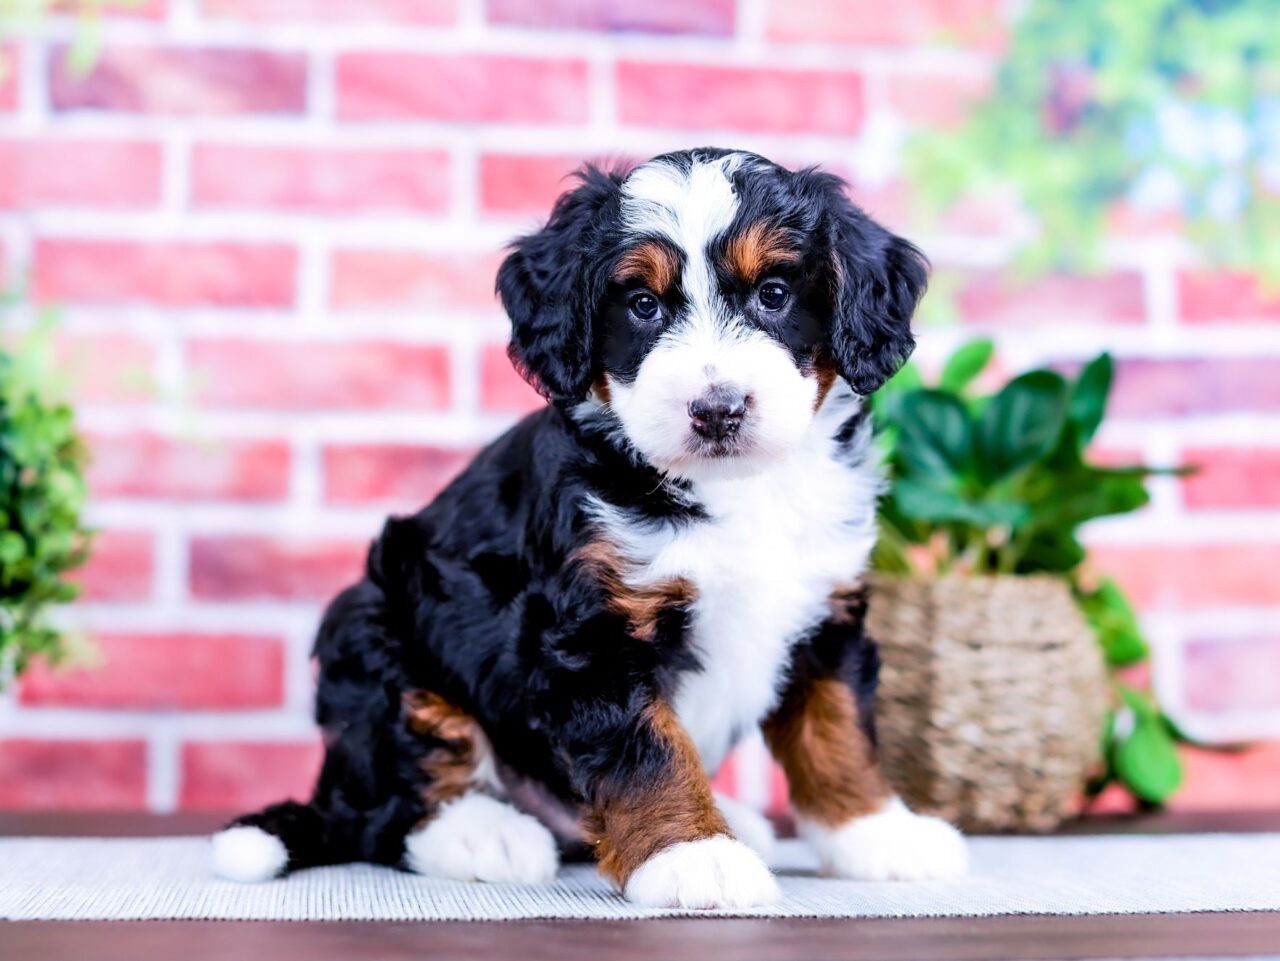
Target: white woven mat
x=168 y=878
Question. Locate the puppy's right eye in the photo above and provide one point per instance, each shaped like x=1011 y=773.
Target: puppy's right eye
x=644 y=306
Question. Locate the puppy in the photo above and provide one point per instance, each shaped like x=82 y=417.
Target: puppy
x=573 y=635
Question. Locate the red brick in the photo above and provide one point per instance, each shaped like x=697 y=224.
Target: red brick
x=245 y=775
x=405 y=279
x=471 y=88
x=86 y=775
x=703 y=17
x=121 y=567
x=420 y=12
x=907 y=23
x=10 y=67
x=106 y=368
x=501 y=388
x=1231 y=477
x=991 y=298
x=260 y=568
x=936 y=99
x=320 y=375
x=151 y=465
x=303 y=178
x=1229 y=297
x=171 y=274
x=164 y=672
x=78 y=172
x=1203 y=575
x=725 y=780
x=183 y=81
x=527 y=185
x=1230 y=780
x=779 y=792
x=691 y=96
x=514 y=184
x=1237 y=674
x=1178 y=386
x=398 y=474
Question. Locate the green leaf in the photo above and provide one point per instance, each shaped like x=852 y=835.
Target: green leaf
x=886 y=401
x=965 y=364
x=1089 y=394
x=13 y=547
x=935 y=434
x=1147 y=761
x=1021 y=424
x=1113 y=619
x=1057 y=552
x=929 y=502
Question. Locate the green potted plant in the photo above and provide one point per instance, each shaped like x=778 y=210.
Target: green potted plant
x=42 y=493
x=996 y=706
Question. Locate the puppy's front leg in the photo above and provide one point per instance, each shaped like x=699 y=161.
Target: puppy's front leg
x=656 y=829
x=844 y=808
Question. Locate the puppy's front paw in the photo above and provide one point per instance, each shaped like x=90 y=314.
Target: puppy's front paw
x=715 y=872
x=891 y=845
x=477 y=838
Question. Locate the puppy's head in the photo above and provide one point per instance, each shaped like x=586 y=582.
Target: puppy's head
x=710 y=299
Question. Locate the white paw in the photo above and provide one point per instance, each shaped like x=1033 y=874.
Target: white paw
x=748 y=825
x=477 y=838
x=716 y=872
x=891 y=845
x=245 y=853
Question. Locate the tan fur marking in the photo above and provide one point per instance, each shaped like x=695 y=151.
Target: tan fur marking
x=752 y=253
x=655 y=264
x=602 y=391
x=628 y=829
x=831 y=767
x=825 y=373
x=451 y=765
x=641 y=606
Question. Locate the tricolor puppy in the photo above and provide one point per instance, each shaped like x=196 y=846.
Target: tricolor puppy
x=569 y=640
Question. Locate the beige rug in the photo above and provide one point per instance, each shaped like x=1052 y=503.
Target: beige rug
x=168 y=878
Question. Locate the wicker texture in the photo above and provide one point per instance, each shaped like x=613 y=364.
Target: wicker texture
x=992 y=698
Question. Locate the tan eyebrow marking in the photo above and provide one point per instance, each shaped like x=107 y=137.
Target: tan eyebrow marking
x=752 y=252
x=653 y=263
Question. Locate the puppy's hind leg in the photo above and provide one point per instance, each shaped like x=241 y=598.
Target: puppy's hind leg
x=366 y=799
x=479 y=838
x=468 y=834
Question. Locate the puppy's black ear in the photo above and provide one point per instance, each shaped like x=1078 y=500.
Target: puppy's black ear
x=876 y=280
x=551 y=285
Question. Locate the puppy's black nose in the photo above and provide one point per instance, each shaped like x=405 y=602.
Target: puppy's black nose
x=718 y=413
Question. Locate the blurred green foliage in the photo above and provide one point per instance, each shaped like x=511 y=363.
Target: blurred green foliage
x=1001 y=484
x=42 y=458
x=1171 y=107
x=22 y=16
x=42 y=494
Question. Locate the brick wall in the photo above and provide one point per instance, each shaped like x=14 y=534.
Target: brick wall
x=273 y=226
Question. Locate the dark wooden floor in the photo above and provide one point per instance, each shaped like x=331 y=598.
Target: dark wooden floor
x=915 y=939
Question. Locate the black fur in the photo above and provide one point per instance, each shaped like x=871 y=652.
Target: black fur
x=553 y=282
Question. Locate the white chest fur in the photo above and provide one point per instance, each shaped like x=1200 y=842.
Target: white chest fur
x=764 y=563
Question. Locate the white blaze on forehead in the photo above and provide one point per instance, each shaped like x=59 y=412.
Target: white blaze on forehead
x=691 y=208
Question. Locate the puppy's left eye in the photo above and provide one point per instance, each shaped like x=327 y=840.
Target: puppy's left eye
x=644 y=306
x=774 y=295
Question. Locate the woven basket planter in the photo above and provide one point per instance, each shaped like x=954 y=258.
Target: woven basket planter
x=992 y=698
